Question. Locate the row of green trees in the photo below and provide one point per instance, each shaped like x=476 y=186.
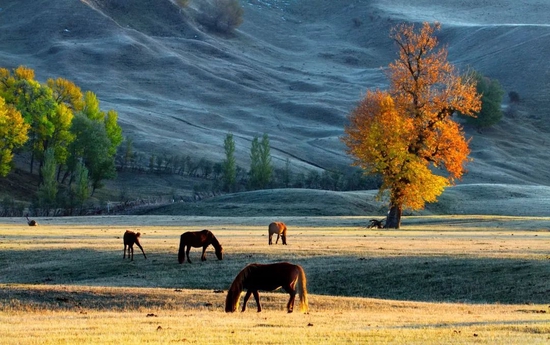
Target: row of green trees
x=261 y=169
x=63 y=130
x=262 y=174
x=211 y=178
x=229 y=176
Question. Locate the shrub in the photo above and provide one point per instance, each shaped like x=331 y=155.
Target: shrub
x=513 y=96
x=182 y=3
x=491 y=99
x=221 y=15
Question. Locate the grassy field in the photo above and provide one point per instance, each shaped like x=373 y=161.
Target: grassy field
x=451 y=279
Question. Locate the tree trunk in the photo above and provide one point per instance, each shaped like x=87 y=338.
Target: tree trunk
x=393 y=219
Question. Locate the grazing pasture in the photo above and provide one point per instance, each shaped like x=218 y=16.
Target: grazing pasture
x=440 y=279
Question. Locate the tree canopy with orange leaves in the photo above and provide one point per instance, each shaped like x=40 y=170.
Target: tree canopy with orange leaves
x=407 y=133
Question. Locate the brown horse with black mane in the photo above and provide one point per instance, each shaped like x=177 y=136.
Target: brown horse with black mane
x=268 y=277
x=31 y=222
x=198 y=239
x=278 y=228
x=130 y=238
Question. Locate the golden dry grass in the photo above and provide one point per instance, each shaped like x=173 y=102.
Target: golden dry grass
x=438 y=280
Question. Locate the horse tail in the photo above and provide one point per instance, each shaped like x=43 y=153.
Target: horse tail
x=302 y=289
x=235 y=290
x=181 y=252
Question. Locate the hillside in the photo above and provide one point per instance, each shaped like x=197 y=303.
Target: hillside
x=294 y=70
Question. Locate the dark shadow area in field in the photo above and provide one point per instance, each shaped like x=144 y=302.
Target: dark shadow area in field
x=432 y=279
x=108 y=268
x=492 y=223
x=412 y=278
x=113 y=299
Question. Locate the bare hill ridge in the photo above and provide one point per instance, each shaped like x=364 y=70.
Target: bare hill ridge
x=293 y=70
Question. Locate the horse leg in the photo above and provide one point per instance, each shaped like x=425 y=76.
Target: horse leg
x=124 y=255
x=270 y=240
x=277 y=241
x=257 y=298
x=132 y=248
x=246 y=297
x=203 y=256
x=291 y=289
x=187 y=253
x=290 y=304
x=283 y=236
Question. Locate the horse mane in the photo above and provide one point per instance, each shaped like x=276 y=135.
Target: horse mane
x=237 y=287
x=215 y=242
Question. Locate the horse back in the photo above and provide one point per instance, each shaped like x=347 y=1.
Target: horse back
x=196 y=238
x=277 y=228
x=269 y=277
x=130 y=237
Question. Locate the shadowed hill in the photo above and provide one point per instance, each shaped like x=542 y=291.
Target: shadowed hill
x=293 y=70
x=479 y=199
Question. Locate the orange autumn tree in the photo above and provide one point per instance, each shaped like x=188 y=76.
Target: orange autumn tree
x=407 y=134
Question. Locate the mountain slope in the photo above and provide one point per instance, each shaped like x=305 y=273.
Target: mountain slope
x=293 y=70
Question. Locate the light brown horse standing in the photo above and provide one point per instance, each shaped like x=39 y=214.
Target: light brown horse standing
x=198 y=239
x=278 y=228
x=268 y=277
x=129 y=239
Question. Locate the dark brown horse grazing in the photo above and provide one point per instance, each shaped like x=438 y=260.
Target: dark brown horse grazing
x=198 y=239
x=376 y=224
x=130 y=238
x=278 y=228
x=268 y=277
x=31 y=222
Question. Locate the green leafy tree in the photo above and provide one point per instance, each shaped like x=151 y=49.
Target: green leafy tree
x=254 y=173
x=13 y=134
x=81 y=186
x=66 y=92
x=128 y=155
x=47 y=191
x=229 y=166
x=97 y=137
x=50 y=112
x=46 y=108
x=92 y=148
x=36 y=104
x=286 y=173
x=217 y=170
x=260 y=163
x=61 y=137
x=91 y=107
x=491 y=98
x=114 y=131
